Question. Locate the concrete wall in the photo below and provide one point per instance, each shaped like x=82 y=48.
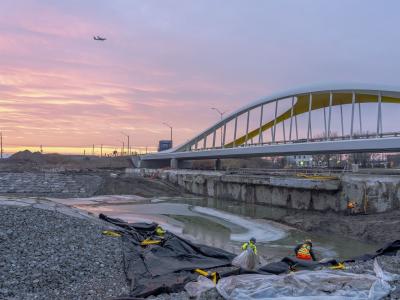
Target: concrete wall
x=49 y=184
x=374 y=193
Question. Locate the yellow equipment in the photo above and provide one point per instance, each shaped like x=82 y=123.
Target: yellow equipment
x=147 y=242
x=317 y=177
x=111 y=233
x=339 y=266
x=214 y=276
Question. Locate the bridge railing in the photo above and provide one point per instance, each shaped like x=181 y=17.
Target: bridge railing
x=264 y=119
x=313 y=140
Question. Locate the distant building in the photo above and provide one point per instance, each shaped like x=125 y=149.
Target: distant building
x=164 y=145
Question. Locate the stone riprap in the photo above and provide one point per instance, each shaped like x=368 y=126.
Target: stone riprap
x=49 y=184
x=371 y=193
x=54 y=252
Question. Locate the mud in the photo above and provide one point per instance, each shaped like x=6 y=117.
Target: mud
x=135 y=185
x=378 y=228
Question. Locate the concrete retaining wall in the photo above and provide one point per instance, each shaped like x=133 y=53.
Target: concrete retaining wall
x=372 y=193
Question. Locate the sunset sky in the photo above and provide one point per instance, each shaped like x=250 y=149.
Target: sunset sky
x=170 y=61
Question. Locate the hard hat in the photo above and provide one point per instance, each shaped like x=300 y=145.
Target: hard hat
x=308 y=241
x=253 y=240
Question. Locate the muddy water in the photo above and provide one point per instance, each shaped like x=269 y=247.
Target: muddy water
x=224 y=224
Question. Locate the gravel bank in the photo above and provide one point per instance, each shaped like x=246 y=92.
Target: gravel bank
x=48 y=255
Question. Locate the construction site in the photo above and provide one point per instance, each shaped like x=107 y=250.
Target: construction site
x=206 y=217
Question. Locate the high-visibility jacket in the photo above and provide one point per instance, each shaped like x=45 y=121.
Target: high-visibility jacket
x=160 y=231
x=350 y=205
x=304 y=252
x=251 y=245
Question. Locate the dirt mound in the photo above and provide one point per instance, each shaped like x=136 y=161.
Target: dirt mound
x=27 y=155
x=25 y=161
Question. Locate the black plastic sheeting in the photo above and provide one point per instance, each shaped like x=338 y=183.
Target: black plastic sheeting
x=167 y=267
x=163 y=268
x=389 y=249
x=284 y=265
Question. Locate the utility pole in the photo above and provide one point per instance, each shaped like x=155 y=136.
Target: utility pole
x=93 y=150
x=122 y=149
x=128 y=148
x=221 y=115
x=1 y=142
x=101 y=150
x=41 y=148
x=170 y=127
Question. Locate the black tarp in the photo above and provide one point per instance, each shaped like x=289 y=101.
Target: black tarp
x=284 y=265
x=163 y=268
x=389 y=249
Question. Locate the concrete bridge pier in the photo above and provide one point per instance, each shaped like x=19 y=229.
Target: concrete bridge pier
x=174 y=163
x=217 y=164
x=153 y=164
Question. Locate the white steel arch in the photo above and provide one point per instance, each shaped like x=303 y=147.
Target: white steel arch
x=304 y=101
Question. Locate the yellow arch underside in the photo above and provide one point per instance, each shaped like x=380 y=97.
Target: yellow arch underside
x=318 y=101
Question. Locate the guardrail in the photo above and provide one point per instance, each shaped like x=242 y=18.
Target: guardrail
x=292 y=171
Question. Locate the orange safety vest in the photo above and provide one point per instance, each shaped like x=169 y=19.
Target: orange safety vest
x=304 y=252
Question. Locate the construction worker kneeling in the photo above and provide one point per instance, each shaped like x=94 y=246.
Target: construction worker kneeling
x=304 y=251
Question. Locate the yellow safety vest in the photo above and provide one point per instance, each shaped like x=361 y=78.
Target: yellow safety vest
x=304 y=252
x=251 y=245
x=160 y=231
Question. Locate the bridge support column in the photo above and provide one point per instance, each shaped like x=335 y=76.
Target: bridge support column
x=174 y=164
x=217 y=164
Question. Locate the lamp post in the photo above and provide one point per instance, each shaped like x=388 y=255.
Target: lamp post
x=122 y=149
x=128 y=142
x=221 y=114
x=170 y=127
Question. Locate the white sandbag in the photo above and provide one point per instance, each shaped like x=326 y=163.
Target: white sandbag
x=195 y=288
x=247 y=260
x=303 y=285
x=386 y=276
x=381 y=285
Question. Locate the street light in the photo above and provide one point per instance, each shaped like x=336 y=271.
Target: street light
x=123 y=146
x=170 y=127
x=128 y=141
x=221 y=114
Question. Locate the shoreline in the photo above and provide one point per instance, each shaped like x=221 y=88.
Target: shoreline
x=64 y=255
x=377 y=228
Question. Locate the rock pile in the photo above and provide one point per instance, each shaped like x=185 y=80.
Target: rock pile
x=48 y=255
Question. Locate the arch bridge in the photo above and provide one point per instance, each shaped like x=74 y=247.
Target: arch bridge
x=310 y=120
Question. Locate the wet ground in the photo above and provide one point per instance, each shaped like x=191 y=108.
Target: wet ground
x=223 y=224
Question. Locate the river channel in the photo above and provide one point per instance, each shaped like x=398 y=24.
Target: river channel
x=221 y=223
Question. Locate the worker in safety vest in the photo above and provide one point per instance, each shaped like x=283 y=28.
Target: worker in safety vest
x=304 y=251
x=351 y=207
x=250 y=244
x=160 y=231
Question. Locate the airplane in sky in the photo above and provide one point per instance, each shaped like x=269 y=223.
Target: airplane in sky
x=99 y=38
